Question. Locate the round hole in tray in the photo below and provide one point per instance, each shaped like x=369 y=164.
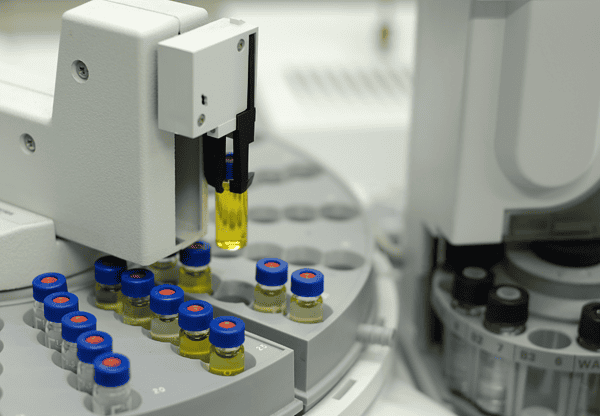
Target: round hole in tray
x=303 y=256
x=136 y=400
x=548 y=338
x=260 y=251
x=339 y=211
x=232 y=291
x=343 y=260
x=263 y=214
x=300 y=213
x=304 y=170
x=269 y=176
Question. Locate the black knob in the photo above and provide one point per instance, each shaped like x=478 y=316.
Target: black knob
x=471 y=287
x=589 y=326
x=507 y=307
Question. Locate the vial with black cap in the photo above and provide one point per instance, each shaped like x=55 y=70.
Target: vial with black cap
x=588 y=396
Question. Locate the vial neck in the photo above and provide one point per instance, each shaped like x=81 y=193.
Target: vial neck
x=168 y=318
x=467 y=310
x=504 y=329
x=271 y=288
x=140 y=301
x=307 y=299
x=196 y=335
x=227 y=352
x=110 y=288
x=194 y=268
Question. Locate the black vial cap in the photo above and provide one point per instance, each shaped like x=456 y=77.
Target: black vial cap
x=471 y=287
x=507 y=307
x=589 y=326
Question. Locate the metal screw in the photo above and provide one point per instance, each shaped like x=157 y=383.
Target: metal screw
x=241 y=45
x=201 y=119
x=29 y=143
x=82 y=70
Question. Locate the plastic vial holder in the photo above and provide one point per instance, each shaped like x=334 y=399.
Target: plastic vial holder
x=136 y=285
x=108 y=271
x=231 y=214
x=227 y=350
x=164 y=302
x=270 y=292
x=44 y=285
x=90 y=345
x=111 y=393
x=306 y=305
x=194 y=320
x=166 y=271
x=73 y=325
x=56 y=305
x=194 y=273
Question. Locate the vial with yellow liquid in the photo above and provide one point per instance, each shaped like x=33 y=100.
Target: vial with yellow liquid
x=165 y=271
x=164 y=302
x=231 y=214
x=194 y=320
x=194 y=273
x=227 y=336
x=108 y=271
x=270 y=293
x=306 y=305
x=136 y=285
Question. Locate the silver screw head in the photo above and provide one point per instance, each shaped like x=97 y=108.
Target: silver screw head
x=82 y=70
x=201 y=119
x=29 y=143
x=240 y=45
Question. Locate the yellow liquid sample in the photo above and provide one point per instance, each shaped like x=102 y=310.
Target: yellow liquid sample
x=165 y=329
x=226 y=362
x=195 y=281
x=306 y=312
x=136 y=312
x=109 y=297
x=231 y=219
x=194 y=345
x=165 y=272
x=269 y=301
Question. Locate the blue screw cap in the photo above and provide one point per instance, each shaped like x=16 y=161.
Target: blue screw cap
x=271 y=272
x=76 y=323
x=196 y=255
x=308 y=283
x=108 y=270
x=195 y=315
x=48 y=283
x=91 y=344
x=137 y=283
x=227 y=332
x=58 y=304
x=229 y=166
x=165 y=299
x=111 y=369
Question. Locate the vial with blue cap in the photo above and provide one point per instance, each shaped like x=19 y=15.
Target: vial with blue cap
x=166 y=271
x=108 y=271
x=270 y=293
x=90 y=345
x=164 y=302
x=57 y=305
x=73 y=325
x=231 y=213
x=306 y=305
x=227 y=335
x=44 y=285
x=136 y=285
x=194 y=273
x=195 y=317
x=112 y=392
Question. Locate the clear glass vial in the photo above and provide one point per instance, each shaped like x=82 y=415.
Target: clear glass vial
x=194 y=273
x=44 y=285
x=112 y=393
x=90 y=345
x=136 y=285
x=194 y=320
x=270 y=292
x=108 y=271
x=231 y=214
x=306 y=305
x=57 y=305
x=166 y=271
x=227 y=335
x=73 y=325
x=164 y=302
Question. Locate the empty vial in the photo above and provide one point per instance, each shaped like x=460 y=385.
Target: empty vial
x=136 y=285
x=164 y=302
x=57 y=305
x=73 y=325
x=194 y=320
x=269 y=293
x=506 y=314
x=227 y=336
x=112 y=392
x=306 y=305
x=90 y=345
x=108 y=282
x=194 y=273
x=44 y=285
x=166 y=271
x=231 y=213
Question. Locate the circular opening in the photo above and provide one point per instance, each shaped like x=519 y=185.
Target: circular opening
x=259 y=251
x=339 y=212
x=240 y=45
x=300 y=213
x=303 y=256
x=269 y=176
x=80 y=71
x=27 y=144
x=304 y=170
x=263 y=214
x=235 y=292
x=343 y=260
x=508 y=293
x=474 y=273
x=547 y=338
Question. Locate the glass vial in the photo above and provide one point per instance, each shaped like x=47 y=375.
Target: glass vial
x=164 y=302
x=44 y=285
x=136 y=285
x=57 y=305
x=90 y=345
x=227 y=335
x=588 y=396
x=73 y=325
x=112 y=393
x=231 y=214
x=194 y=273
x=165 y=271
x=270 y=292
x=194 y=320
x=108 y=271
x=306 y=305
